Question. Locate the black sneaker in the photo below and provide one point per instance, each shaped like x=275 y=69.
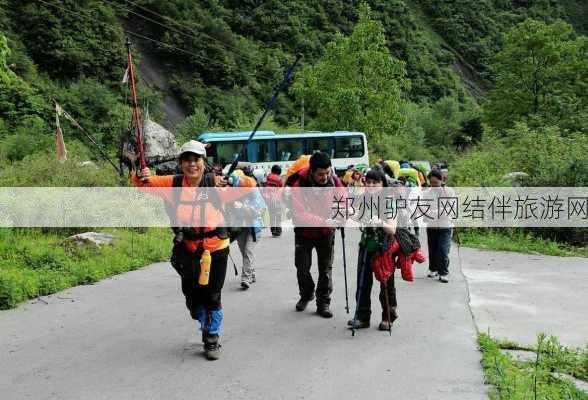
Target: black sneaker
x=323 y=311
x=385 y=326
x=212 y=347
x=357 y=324
x=302 y=303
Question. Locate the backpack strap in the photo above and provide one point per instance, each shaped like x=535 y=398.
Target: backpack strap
x=170 y=207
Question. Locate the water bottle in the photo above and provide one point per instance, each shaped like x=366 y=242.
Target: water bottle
x=205 y=261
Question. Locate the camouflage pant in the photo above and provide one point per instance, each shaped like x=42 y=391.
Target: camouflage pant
x=247 y=247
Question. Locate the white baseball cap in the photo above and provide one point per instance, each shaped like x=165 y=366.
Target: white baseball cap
x=193 y=146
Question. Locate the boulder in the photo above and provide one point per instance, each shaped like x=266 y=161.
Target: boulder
x=159 y=143
x=91 y=164
x=89 y=239
x=166 y=168
x=515 y=178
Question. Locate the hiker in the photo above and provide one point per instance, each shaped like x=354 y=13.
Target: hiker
x=272 y=199
x=196 y=248
x=439 y=238
x=250 y=209
x=307 y=213
x=377 y=236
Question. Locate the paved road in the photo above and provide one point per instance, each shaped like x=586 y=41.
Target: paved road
x=517 y=296
x=130 y=337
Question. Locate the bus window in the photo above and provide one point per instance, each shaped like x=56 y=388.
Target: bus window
x=227 y=151
x=261 y=151
x=289 y=149
x=325 y=145
x=349 y=147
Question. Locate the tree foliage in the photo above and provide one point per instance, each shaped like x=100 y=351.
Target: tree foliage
x=542 y=78
x=474 y=27
x=71 y=39
x=357 y=85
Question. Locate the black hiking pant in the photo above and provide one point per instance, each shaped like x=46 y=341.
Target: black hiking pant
x=275 y=219
x=303 y=261
x=188 y=266
x=364 y=290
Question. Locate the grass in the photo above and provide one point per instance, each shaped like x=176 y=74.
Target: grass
x=518 y=380
x=517 y=241
x=34 y=263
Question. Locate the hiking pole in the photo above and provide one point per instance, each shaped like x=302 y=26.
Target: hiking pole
x=359 y=290
x=385 y=285
x=268 y=108
x=234 y=265
x=136 y=111
x=345 y=269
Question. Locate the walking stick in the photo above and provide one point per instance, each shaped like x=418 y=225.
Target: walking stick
x=268 y=108
x=359 y=290
x=385 y=285
x=345 y=269
x=136 y=111
x=234 y=265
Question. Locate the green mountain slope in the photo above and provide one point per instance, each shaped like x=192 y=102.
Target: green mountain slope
x=222 y=58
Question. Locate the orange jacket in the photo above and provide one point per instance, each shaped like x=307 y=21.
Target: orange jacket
x=188 y=210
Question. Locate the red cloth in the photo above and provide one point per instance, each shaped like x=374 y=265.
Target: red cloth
x=405 y=262
x=383 y=263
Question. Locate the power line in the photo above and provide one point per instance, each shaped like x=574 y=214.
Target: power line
x=136 y=34
x=190 y=36
x=187 y=27
x=197 y=56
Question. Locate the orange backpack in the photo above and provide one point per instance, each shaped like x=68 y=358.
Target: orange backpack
x=292 y=173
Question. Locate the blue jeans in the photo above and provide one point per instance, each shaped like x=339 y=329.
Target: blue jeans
x=439 y=240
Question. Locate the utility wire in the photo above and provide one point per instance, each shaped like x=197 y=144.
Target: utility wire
x=262 y=79
x=194 y=32
x=188 y=28
x=192 y=35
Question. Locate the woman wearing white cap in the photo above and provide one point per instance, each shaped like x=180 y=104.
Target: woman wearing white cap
x=191 y=243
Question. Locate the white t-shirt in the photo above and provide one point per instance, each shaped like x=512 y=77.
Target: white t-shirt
x=443 y=216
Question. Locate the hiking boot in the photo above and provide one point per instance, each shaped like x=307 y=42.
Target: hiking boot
x=432 y=274
x=443 y=278
x=385 y=326
x=302 y=303
x=245 y=285
x=323 y=311
x=357 y=324
x=212 y=347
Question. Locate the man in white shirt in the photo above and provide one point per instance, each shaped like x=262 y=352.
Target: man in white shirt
x=439 y=237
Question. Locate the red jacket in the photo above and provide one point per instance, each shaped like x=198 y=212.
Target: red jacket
x=272 y=191
x=307 y=213
x=274 y=180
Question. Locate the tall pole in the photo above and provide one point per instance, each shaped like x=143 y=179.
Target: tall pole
x=136 y=111
x=302 y=117
x=268 y=108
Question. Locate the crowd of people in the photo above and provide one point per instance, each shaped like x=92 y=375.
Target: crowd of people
x=200 y=254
